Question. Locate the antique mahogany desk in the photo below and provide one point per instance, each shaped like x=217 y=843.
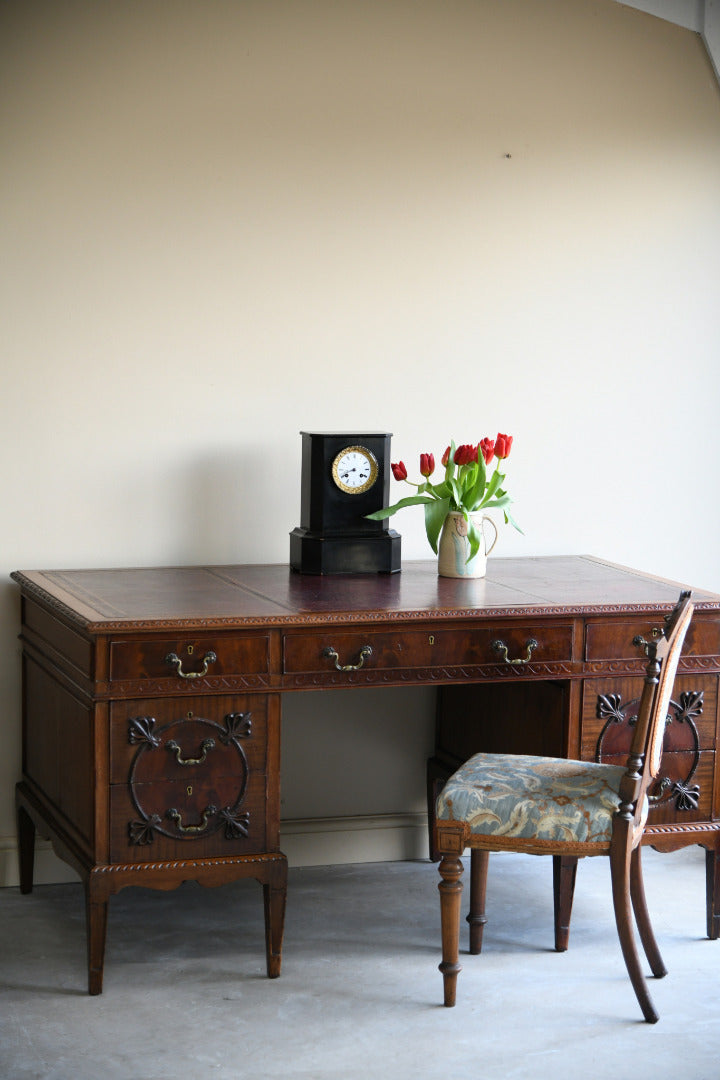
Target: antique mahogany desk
x=152 y=701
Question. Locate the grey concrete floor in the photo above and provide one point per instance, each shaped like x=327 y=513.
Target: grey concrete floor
x=360 y=995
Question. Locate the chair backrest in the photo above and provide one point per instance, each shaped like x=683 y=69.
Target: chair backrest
x=643 y=765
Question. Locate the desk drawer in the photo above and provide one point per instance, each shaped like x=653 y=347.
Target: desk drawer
x=211 y=655
x=188 y=780
x=684 y=792
x=166 y=821
x=138 y=726
x=328 y=651
x=612 y=639
x=610 y=704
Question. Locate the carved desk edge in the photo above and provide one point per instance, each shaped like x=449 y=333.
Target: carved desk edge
x=382 y=615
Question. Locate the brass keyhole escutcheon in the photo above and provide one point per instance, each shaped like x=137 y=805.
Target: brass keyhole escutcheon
x=190 y=650
x=188 y=789
x=431 y=639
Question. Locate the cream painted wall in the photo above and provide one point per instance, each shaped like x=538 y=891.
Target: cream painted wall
x=223 y=222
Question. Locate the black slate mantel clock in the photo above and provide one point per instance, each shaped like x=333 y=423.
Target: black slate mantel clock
x=344 y=477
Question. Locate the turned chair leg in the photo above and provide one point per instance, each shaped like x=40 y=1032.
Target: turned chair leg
x=450 y=887
x=478 y=888
x=642 y=916
x=564 y=873
x=620 y=872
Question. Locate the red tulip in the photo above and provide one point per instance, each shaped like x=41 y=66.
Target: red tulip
x=399 y=471
x=445 y=458
x=427 y=464
x=466 y=454
x=503 y=444
x=487 y=447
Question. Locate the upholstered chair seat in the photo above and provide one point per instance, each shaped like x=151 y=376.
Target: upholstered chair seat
x=517 y=797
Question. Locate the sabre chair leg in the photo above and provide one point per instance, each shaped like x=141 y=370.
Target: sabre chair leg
x=642 y=916
x=478 y=889
x=564 y=873
x=450 y=887
x=620 y=874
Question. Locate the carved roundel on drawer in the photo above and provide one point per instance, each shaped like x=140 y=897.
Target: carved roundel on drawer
x=188 y=778
x=681 y=745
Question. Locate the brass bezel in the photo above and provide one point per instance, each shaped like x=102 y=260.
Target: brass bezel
x=373 y=470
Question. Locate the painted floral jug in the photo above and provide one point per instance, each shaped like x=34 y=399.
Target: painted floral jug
x=454 y=547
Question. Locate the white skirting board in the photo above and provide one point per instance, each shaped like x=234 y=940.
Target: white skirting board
x=305 y=841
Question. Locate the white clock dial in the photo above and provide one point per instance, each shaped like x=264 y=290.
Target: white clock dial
x=355 y=469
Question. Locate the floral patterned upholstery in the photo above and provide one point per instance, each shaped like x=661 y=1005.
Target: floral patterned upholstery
x=550 y=799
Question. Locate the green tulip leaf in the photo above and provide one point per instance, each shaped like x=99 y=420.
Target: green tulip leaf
x=456 y=492
x=411 y=500
x=499 y=503
x=474 y=496
x=442 y=491
x=493 y=487
x=450 y=467
x=509 y=521
x=435 y=514
x=475 y=539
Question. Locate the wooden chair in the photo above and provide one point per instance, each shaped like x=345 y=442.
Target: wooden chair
x=552 y=806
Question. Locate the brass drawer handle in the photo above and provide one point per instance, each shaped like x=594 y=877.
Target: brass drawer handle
x=364 y=653
x=176 y=816
x=205 y=745
x=501 y=647
x=208 y=659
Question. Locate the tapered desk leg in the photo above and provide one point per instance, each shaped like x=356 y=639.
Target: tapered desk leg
x=96 y=907
x=274 y=897
x=712 y=890
x=26 y=848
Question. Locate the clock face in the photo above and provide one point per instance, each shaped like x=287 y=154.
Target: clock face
x=354 y=470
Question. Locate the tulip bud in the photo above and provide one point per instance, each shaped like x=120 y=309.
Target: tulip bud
x=399 y=471
x=445 y=458
x=427 y=464
x=503 y=444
